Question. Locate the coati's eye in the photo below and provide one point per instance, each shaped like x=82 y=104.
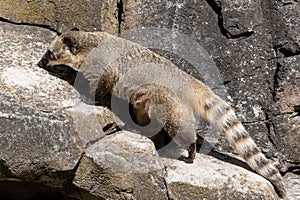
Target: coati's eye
x=70 y=42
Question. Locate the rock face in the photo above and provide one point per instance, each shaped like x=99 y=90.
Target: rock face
x=288 y=39
x=63 y=15
x=238 y=18
x=288 y=100
x=30 y=129
x=52 y=141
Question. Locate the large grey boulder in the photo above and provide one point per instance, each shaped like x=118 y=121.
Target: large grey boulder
x=34 y=138
x=122 y=166
x=42 y=118
x=209 y=178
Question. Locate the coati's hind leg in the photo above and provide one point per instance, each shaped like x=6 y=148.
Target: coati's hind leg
x=191 y=156
x=186 y=135
x=156 y=102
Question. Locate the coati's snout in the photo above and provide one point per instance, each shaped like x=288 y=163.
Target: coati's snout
x=59 y=52
x=64 y=50
x=70 y=49
x=45 y=59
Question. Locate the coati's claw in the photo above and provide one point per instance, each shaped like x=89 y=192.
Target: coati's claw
x=186 y=159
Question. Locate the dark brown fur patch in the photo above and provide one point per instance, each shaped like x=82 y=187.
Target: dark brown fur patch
x=273 y=173
x=209 y=106
x=251 y=153
x=220 y=110
x=261 y=162
x=231 y=125
x=228 y=108
x=240 y=137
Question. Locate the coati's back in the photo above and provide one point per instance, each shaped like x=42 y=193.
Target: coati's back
x=128 y=66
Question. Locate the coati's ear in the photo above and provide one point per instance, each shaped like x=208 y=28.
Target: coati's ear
x=70 y=42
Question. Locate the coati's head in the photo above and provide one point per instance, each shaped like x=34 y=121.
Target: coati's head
x=70 y=48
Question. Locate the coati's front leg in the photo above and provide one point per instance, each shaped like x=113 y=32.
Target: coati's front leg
x=103 y=86
x=148 y=103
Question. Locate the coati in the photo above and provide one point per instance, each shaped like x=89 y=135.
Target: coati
x=146 y=80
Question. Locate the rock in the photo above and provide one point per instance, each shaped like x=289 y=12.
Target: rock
x=288 y=40
x=34 y=138
x=209 y=178
x=287 y=120
x=292 y=182
x=89 y=122
x=126 y=165
x=122 y=166
x=63 y=15
x=287 y=129
x=43 y=121
x=288 y=87
x=238 y=18
x=196 y=19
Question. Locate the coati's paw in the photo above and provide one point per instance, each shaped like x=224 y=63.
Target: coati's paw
x=186 y=159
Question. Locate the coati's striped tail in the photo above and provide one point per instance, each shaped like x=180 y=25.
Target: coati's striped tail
x=221 y=116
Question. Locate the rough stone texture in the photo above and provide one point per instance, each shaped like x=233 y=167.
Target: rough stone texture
x=89 y=122
x=209 y=178
x=63 y=15
x=288 y=39
x=238 y=18
x=122 y=166
x=287 y=96
x=287 y=85
x=126 y=166
x=44 y=126
x=34 y=137
x=292 y=182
